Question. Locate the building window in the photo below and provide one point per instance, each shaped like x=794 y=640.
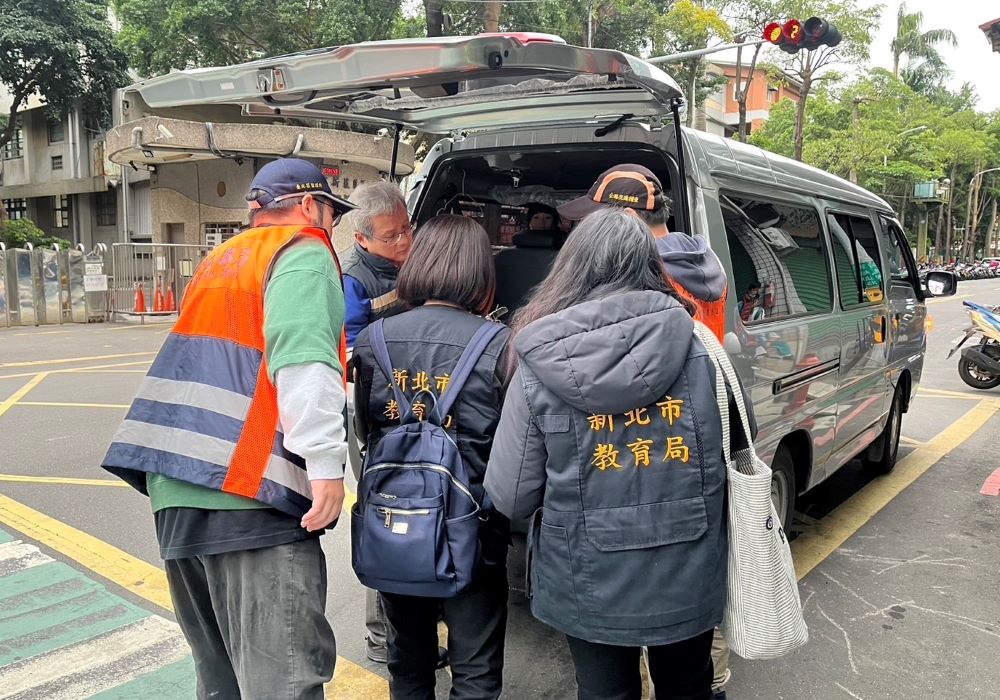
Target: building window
x=56 y=133
x=107 y=208
x=57 y=162
x=60 y=218
x=15 y=147
x=772 y=94
x=16 y=208
x=220 y=232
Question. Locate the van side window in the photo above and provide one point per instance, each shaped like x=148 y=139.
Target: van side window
x=779 y=258
x=856 y=257
x=898 y=260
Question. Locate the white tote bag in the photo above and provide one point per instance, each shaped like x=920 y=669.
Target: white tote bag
x=763 y=617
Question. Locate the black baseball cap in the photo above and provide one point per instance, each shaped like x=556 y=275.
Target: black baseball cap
x=292 y=177
x=627 y=185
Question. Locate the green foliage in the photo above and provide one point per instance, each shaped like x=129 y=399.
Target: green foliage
x=160 y=35
x=15 y=234
x=62 y=50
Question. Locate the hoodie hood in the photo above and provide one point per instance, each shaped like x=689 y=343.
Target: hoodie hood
x=610 y=355
x=691 y=263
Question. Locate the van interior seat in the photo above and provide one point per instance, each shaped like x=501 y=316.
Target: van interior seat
x=522 y=267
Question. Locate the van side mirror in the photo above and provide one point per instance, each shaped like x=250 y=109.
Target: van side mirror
x=940 y=284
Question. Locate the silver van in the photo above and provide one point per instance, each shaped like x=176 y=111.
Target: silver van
x=825 y=315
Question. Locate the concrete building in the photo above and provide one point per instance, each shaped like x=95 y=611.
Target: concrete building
x=992 y=32
x=53 y=172
x=721 y=110
x=197 y=173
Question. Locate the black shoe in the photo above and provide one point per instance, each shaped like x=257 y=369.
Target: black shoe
x=379 y=653
x=719 y=695
x=442 y=658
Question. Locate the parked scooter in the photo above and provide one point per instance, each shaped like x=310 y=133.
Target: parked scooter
x=980 y=365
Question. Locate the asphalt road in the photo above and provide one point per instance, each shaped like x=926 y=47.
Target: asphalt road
x=898 y=574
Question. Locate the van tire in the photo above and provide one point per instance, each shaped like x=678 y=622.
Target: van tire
x=783 y=486
x=880 y=458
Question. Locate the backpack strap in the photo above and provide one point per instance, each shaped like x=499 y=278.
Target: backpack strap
x=376 y=335
x=466 y=364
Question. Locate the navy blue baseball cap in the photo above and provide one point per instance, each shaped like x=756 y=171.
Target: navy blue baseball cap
x=292 y=177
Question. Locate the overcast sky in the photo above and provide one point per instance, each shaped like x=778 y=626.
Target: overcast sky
x=972 y=61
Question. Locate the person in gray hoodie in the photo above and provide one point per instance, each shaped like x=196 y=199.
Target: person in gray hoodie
x=610 y=443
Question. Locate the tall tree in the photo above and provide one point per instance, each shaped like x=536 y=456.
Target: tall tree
x=689 y=27
x=491 y=15
x=161 y=35
x=856 y=24
x=61 y=50
x=915 y=44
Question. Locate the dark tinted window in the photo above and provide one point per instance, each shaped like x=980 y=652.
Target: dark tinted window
x=779 y=258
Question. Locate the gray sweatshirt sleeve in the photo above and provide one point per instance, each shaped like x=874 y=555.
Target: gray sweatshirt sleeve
x=515 y=477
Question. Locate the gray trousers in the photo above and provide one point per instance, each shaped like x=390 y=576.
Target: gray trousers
x=256 y=621
x=375 y=622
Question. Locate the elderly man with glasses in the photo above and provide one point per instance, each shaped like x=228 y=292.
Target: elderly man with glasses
x=237 y=436
x=383 y=235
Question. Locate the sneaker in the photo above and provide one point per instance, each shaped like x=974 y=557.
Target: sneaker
x=379 y=653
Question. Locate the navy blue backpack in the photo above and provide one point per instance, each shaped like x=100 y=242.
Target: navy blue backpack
x=415 y=527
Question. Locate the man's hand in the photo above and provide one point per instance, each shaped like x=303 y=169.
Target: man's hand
x=328 y=499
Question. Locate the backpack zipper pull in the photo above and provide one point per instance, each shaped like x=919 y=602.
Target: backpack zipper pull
x=388 y=517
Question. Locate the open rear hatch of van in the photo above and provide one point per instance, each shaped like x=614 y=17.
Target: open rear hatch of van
x=442 y=85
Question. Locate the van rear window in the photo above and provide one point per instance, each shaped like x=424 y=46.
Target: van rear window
x=780 y=262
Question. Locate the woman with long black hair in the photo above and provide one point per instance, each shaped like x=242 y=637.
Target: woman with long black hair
x=610 y=441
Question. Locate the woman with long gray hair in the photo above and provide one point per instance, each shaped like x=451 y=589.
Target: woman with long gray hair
x=610 y=442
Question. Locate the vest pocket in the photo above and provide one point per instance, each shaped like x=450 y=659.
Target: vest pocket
x=642 y=566
x=551 y=584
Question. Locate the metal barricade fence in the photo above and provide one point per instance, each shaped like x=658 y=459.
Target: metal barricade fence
x=167 y=267
x=41 y=286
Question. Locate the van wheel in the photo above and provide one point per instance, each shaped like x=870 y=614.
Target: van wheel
x=881 y=455
x=783 y=486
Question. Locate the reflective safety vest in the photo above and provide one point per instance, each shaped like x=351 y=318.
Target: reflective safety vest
x=711 y=313
x=207 y=411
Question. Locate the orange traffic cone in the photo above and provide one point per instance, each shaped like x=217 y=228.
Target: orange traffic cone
x=157 y=299
x=140 y=300
x=171 y=304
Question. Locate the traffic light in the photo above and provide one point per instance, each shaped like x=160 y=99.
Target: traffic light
x=794 y=36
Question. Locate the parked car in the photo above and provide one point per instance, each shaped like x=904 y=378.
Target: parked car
x=834 y=352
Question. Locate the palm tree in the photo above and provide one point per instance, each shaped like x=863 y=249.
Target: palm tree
x=916 y=44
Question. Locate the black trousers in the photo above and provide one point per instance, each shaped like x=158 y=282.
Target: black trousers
x=681 y=671
x=477 y=624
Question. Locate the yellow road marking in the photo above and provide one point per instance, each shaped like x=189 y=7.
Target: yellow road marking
x=22 y=392
x=66 y=481
x=957 y=296
x=150 y=582
x=811 y=548
x=946 y=394
x=58 y=404
x=71 y=370
x=43 y=333
x=911 y=441
x=65 y=360
x=142 y=326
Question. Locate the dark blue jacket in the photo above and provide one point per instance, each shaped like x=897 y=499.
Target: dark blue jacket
x=610 y=441
x=369 y=291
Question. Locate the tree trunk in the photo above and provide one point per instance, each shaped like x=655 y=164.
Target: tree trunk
x=950 y=225
x=434 y=12
x=692 y=92
x=852 y=174
x=937 y=232
x=800 y=113
x=491 y=16
x=902 y=213
x=991 y=233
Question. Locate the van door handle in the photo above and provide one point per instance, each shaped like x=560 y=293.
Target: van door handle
x=880 y=333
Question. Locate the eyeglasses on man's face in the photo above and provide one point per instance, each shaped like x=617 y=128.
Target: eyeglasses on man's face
x=395 y=238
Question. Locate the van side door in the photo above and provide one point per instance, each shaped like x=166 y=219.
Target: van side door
x=864 y=319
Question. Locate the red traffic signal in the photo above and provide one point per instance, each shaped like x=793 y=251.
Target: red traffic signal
x=794 y=35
